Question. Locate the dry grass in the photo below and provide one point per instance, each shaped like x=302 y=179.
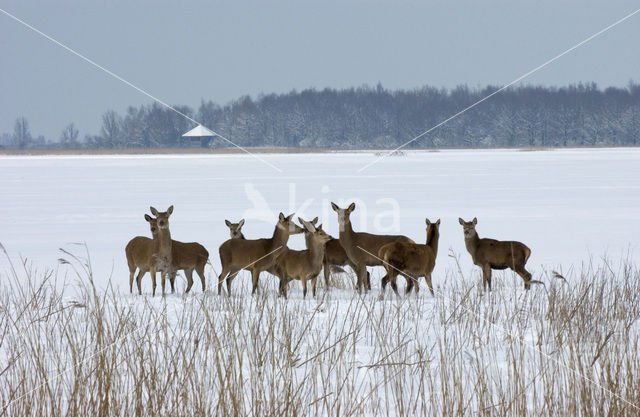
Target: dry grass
x=567 y=349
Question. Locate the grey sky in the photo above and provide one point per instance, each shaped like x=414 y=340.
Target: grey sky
x=185 y=51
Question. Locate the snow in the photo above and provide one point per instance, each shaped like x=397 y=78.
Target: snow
x=375 y=354
x=568 y=206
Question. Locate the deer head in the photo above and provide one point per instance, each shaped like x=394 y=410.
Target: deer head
x=343 y=214
x=235 y=229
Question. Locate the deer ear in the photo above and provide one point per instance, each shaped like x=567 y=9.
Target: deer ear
x=170 y=209
x=147 y=217
x=460 y=221
x=302 y=222
x=153 y=211
x=475 y=221
x=227 y=222
x=438 y=222
x=352 y=207
x=427 y=222
x=290 y=216
x=314 y=221
x=241 y=222
x=281 y=217
x=334 y=206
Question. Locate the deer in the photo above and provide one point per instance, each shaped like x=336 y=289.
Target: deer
x=411 y=260
x=362 y=248
x=139 y=252
x=491 y=254
x=185 y=256
x=334 y=256
x=303 y=265
x=254 y=255
x=161 y=248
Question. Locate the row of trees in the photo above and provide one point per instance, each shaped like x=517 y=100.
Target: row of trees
x=366 y=117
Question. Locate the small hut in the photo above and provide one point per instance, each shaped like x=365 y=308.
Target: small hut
x=198 y=136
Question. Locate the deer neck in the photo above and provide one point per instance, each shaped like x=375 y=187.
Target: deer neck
x=163 y=243
x=471 y=243
x=432 y=241
x=346 y=234
x=316 y=251
x=280 y=237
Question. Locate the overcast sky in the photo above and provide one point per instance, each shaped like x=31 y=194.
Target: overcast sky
x=186 y=51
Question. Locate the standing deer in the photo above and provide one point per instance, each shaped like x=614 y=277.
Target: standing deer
x=302 y=265
x=362 y=248
x=139 y=253
x=411 y=260
x=161 y=248
x=334 y=256
x=491 y=254
x=185 y=256
x=255 y=255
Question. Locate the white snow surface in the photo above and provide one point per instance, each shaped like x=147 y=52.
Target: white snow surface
x=568 y=206
x=571 y=207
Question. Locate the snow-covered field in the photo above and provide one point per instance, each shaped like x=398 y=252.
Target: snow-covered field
x=569 y=206
x=460 y=352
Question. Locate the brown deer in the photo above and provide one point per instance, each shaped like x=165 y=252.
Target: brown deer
x=362 y=248
x=411 y=260
x=255 y=255
x=334 y=256
x=161 y=248
x=139 y=253
x=491 y=254
x=188 y=257
x=185 y=256
x=302 y=265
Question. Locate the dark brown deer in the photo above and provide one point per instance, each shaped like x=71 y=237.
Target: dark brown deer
x=491 y=254
x=303 y=265
x=255 y=255
x=411 y=260
x=362 y=248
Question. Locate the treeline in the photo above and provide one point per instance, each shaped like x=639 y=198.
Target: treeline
x=374 y=117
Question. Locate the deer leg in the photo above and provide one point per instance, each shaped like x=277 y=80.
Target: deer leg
x=189 y=274
x=153 y=280
x=526 y=276
x=486 y=277
x=283 y=287
x=368 y=279
x=255 y=274
x=162 y=276
x=172 y=281
x=428 y=278
x=304 y=287
x=221 y=278
x=392 y=279
x=200 y=272
x=131 y=273
x=313 y=285
x=409 y=286
x=326 y=270
x=141 y=273
x=232 y=275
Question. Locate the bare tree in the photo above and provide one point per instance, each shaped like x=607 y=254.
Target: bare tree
x=21 y=134
x=69 y=137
